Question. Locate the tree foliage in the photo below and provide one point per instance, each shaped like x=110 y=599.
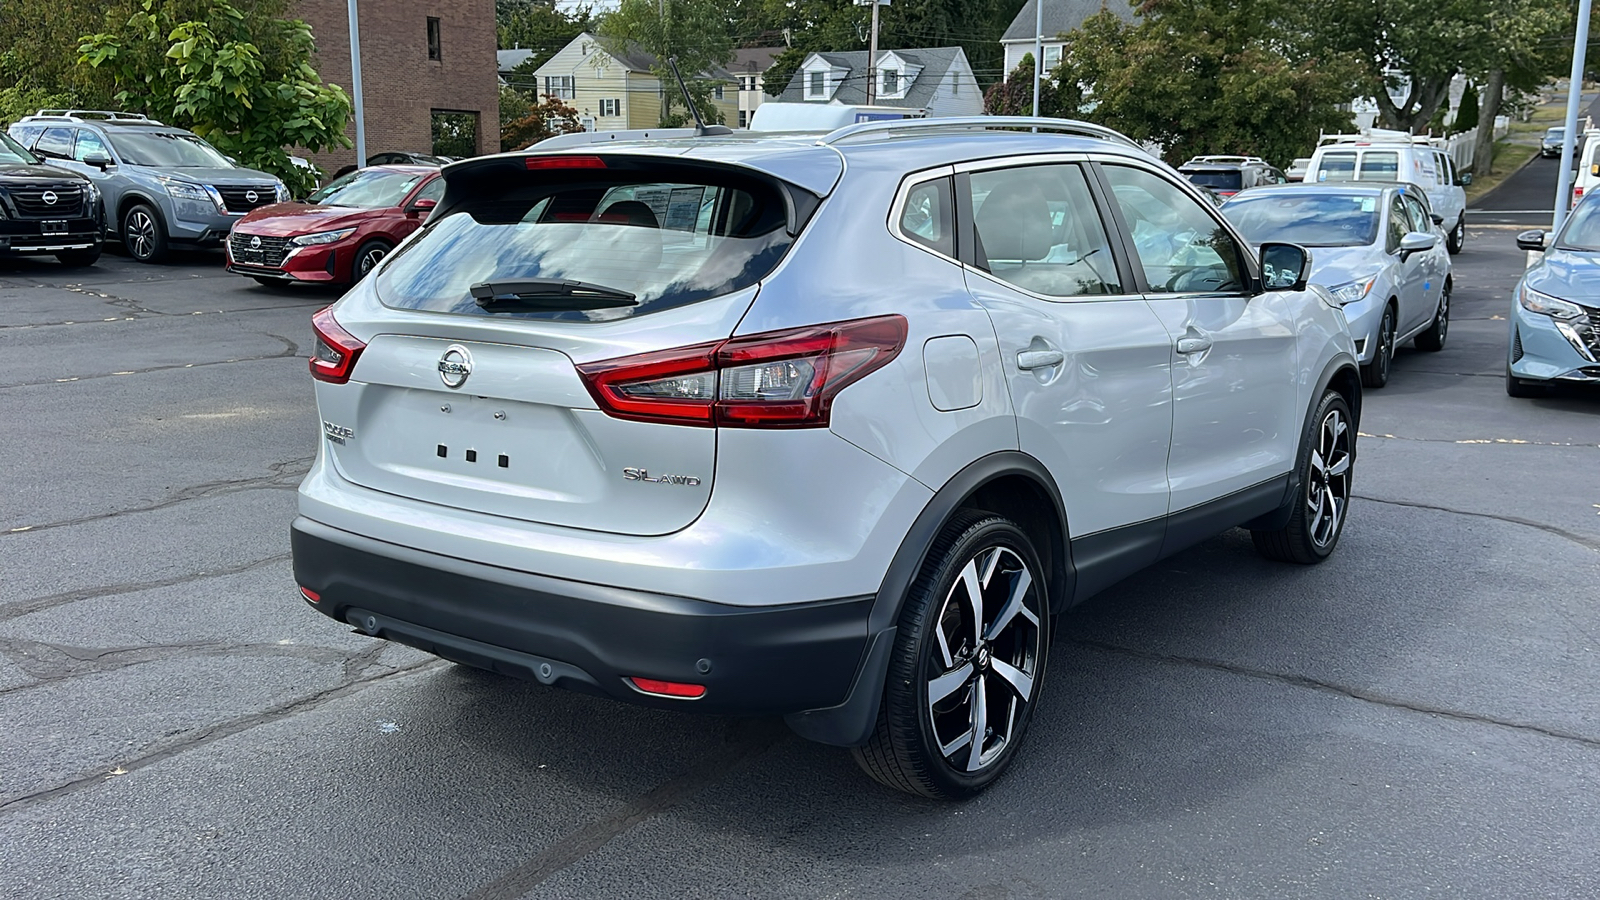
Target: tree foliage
x=695 y=32
x=1014 y=95
x=539 y=27
x=1467 y=113
x=1203 y=76
x=243 y=82
x=547 y=118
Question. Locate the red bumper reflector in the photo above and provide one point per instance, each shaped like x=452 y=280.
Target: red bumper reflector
x=311 y=595
x=668 y=688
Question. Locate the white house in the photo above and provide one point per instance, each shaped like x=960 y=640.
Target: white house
x=1060 y=17
x=749 y=68
x=613 y=87
x=938 y=80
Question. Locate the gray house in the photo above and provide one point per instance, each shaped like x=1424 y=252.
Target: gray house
x=1060 y=17
x=938 y=80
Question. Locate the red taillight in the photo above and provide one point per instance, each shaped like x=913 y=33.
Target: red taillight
x=781 y=379
x=336 y=350
x=564 y=162
x=309 y=594
x=668 y=688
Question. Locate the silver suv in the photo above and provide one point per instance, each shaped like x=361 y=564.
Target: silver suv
x=827 y=427
x=163 y=186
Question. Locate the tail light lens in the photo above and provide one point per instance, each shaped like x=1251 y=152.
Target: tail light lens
x=337 y=349
x=781 y=379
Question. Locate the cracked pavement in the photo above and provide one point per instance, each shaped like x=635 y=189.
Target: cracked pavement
x=1416 y=717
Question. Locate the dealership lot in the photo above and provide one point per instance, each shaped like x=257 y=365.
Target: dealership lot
x=1416 y=716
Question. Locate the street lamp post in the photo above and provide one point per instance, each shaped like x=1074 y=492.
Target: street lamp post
x=1569 y=139
x=1038 y=51
x=355 y=86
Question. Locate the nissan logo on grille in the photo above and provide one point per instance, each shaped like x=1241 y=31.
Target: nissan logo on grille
x=255 y=243
x=252 y=196
x=49 y=198
x=455 y=366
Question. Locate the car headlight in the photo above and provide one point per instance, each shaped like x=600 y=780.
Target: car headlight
x=280 y=192
x=1545 y=305
x=1350 y=292
x=322 y=237
x=184 y=190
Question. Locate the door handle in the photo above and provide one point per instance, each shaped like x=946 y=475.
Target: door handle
x=1193 y=345
x=1039 y=359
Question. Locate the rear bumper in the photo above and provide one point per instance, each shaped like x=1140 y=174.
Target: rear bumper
x=587 y=637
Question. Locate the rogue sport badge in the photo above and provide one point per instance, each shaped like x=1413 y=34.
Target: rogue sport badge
x=455 y=366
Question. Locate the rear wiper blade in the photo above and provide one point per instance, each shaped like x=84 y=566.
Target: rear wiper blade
x=541 y=294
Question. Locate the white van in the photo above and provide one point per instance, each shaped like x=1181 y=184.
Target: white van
x=1587 y=179
x=1395 y=156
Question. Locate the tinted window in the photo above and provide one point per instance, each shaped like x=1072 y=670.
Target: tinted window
x=1311 y=220
x=1381 y=165
x=926 y=217
x=167 y=150
x=89 y=145
x=1399 y=224
x=1337 y=167
x=433 y=190
x=1182 y=248
x=1038 y=228
x=1222 y=181
x=55 y=142
x=1582 y=228
x=1420 y=220
x=669 y=241
x=367 y=189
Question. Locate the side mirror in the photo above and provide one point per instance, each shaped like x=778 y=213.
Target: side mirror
x=99 y=162
x=1437 y=219
x=1532 y=240
x=1465 y=179
x=1284 y=267
x=421 y=208
x=1416 y=242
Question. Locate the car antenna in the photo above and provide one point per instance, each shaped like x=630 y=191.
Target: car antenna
x=701 y=129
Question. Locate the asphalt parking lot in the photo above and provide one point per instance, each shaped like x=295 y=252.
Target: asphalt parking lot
x=1417 y=717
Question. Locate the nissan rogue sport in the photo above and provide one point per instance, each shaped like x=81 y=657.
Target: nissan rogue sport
x=827 y=427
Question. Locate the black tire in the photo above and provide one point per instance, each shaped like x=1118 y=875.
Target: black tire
x=367 y=257
x=1522 y=390
x=1326 y=466
x=1432 y=340
x=77 y=259
x=1457 y=238
x=1375 y=374
x=918 y=743
x=144 y=234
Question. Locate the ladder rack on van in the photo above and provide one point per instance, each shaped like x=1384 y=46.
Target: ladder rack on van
x=1382 y=136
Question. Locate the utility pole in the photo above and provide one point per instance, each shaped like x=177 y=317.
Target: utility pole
x=872 y=58
x=1574 y=91
x=355 y=86
x=1038 y=51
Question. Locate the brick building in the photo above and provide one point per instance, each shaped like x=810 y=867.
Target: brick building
x=422 y=62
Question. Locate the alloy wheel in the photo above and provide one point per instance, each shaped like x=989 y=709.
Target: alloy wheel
x=1385 y=345
x=984 y=659
x=1444 y=312
x=1328 y=478
x=369 y=260
x=141 y=234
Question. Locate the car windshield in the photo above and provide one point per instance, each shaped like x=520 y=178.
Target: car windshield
x=367 y=189
x=1556 y=132
x=1311 y=220
x=1582 y=229
x=667 y=237
x=12 y=152
x=167 y=150
x=1222 y=181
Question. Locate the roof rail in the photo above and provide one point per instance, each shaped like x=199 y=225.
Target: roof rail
x=961 y=124
x=102 y=115
x=1226 y=159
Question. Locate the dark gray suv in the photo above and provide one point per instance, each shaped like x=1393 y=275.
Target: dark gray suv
x=163 y=186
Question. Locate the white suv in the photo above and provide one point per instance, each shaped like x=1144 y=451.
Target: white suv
x=819 y=426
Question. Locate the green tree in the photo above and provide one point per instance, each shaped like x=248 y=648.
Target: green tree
x=1204 y=76
x=201 y=64
x=1467 y=112
x=1014 y=95
x=539 y=27
x=538 y=121
x=693 y=31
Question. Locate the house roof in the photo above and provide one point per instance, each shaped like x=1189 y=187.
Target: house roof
x=506 y=60
x=935 y=63
x=634 y=59
x=753 y=60
x=1061 y=16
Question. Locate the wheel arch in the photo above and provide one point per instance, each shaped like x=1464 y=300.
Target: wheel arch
x=1341 y=374
x=130 y=199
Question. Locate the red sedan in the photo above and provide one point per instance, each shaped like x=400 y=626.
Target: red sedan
x=340 y=232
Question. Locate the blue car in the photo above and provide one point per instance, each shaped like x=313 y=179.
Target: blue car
x=1555 y=320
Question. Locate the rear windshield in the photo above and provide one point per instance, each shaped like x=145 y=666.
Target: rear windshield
x=1311 y=220
x=1380 y=166
x=668 y=234
x=1222 y=181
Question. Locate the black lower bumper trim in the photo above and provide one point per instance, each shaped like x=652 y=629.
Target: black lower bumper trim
x=751 y=660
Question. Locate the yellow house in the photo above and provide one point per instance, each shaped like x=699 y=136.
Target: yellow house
x=614 y=88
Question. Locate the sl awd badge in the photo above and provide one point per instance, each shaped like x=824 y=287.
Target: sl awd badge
x=337 y=433
x=455 y=366
x=632 y=474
